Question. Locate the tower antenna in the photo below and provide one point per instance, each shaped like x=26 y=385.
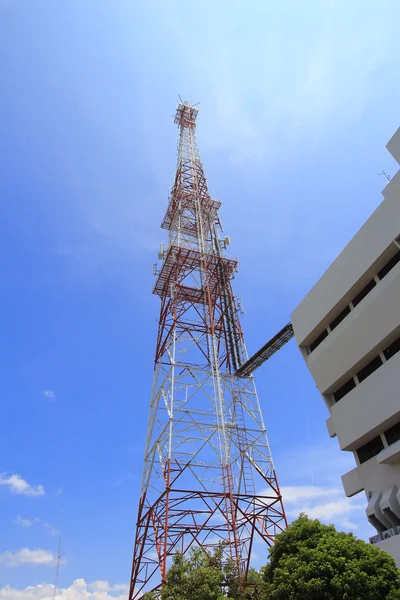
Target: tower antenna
x=57 y=569
x=386 y=175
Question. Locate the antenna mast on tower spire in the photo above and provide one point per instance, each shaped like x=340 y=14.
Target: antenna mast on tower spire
x=208 y=474
x=57 y=569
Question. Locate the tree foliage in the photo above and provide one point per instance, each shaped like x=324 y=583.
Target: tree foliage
x=312 y=561
x=234 y=586
x=198 y=577
x=204 y=576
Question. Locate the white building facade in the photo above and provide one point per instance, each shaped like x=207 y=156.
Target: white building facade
x=348 y=330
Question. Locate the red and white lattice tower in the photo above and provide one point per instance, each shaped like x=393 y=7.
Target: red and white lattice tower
x=208 y=472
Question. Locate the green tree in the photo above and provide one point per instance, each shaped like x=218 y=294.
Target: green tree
x=234 y=588
x=198 y=577
x=151 y=596
x=312 y=561
x=204 y=576
x=255 y=585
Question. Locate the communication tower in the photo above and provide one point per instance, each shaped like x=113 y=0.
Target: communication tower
x=208 y=474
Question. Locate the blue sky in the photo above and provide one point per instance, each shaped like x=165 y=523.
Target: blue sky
x=297 y=101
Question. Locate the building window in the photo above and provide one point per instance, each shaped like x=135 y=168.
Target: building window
x=369 y=368
x=370 y=449
x=340 y=317
x=392 y=349
x=392 y=434
x=345 y=389
x=366 y=290
x=389 y=265
x=319 y=339
x=356 y=300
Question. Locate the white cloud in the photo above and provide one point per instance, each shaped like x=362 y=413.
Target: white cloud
x=315 y=81
x=327 y=504
x=78 y=590
x=29 y=522
x=50 y=529
x=25 y=522
x=308 y=486
x=25 y=556
x=327 y=511
x=49 y=394
x=104 y=586
x=99 y=586
x=17 y=485
x=305 y=492
x=120 y=587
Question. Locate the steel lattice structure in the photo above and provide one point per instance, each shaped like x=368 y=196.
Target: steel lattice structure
x=208 y=472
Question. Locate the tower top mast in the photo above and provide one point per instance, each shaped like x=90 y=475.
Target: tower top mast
x=186 y=115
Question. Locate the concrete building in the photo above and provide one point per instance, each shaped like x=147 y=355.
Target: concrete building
x=348 y=330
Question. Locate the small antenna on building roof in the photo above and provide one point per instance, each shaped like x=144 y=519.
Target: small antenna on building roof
x=386 y=175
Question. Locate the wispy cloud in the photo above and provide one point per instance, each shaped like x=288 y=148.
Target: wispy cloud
x=17 y=485
x=105 y=586
x=311 y=83
x=78 y=590
x=50 y=529
x=308 y=486
x=29 y=522
x=324 y=503
x=25 y=556
x=307 y=492
x=25 y=522
x=49 y=394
